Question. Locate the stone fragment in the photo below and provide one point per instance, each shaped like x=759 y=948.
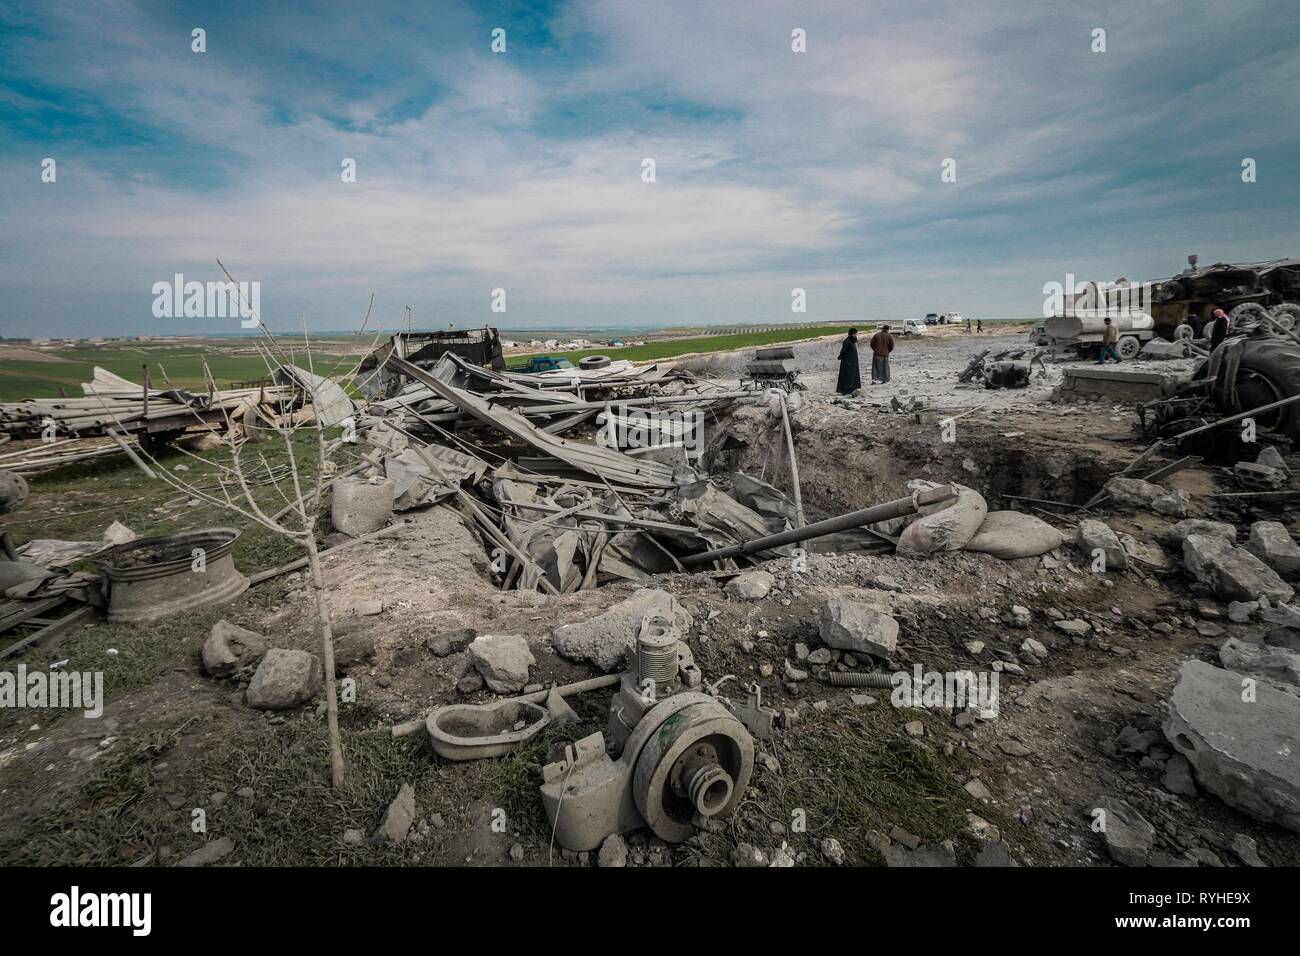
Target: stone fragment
x=1095 y=536
x=446 y=643
x=1267 y=663
x=229 y=648
x=750 y=586
x=503 y=660
x=850 y=625
x=1272 y=543
x=397 y=819
x=613 y=852
x=1241 y=750
x=283 y=680
x=1129 y=837
x=1233 y=573
x=604 y=638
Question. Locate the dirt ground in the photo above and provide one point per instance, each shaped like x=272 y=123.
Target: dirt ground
x=125 y=788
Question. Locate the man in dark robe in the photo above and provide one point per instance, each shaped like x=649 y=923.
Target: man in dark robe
x=1220 y=330
x=850 y=379
x=882 y=343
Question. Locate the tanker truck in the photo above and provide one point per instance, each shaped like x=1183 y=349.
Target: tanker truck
x=1081 y=331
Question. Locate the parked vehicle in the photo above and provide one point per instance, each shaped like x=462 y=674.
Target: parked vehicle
x=951 y=318
x=542 y=363
x=913 y=327
x=1083 y=331
x=932 y=318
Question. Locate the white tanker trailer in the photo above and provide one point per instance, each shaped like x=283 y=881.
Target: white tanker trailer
x=1083 y=331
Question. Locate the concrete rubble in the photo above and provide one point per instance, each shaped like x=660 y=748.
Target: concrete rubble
x=1239 y=749
x=847 y=624
x=604 y=639
x=1233 y=573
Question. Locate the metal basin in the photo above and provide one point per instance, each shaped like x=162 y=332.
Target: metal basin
x=476 y=731
x=153 y=578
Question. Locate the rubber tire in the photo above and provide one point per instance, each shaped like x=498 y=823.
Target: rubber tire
x=1184 y=331
x=1278 y=361
x=1246 y=309
x=1133 y=349
x=593 y=361
x=1287 y=315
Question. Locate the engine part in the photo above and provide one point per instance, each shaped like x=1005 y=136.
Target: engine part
x=671 y=756
x=758 y=720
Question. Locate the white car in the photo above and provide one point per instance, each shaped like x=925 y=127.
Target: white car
x=913 y=327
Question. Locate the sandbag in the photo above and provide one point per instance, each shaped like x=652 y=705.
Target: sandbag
x=944 y=527
x=1014 y=534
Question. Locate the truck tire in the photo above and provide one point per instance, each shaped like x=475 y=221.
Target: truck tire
x=1286 y=315
x=1245 y=312
x=1129 y=347
x=593 y=361
x=1269 y=372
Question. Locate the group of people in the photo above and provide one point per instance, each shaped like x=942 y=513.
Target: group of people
x=882 y=344
x=850 y=380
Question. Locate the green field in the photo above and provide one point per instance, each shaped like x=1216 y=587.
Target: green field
x=179 y=364
x=672 y=348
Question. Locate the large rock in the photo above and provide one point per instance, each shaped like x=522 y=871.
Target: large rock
x=604 y=638
x=229 y=648
x=1176 y=534
x=1233 y=573
x=1261 y=477
x=1241 y=750
x=1136 y=493
x=1272 y=543
x=503 y=661
x=1094 y=535
x=1129 y=837
x=1268 y=663
x=859 y=627
x=284 y=679
x=750 y=586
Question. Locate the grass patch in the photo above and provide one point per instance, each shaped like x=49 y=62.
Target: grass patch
x=850 y=772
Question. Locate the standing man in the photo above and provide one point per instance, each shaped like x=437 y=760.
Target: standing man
x=979 y=325
x=1217 y=330
x=850 y=379
x=1109 y=342
x=882 y=343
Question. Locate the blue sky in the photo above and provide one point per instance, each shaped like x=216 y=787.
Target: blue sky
x=522 y=170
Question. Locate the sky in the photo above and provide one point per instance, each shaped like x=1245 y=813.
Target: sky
x=525 y=170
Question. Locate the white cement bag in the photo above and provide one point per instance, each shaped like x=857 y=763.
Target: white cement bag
x=1014 y=534
x=945 y=527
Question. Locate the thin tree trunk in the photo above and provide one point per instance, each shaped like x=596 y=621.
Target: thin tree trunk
x=327 y=638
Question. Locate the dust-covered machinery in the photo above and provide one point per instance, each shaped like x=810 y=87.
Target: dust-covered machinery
x=670 y=757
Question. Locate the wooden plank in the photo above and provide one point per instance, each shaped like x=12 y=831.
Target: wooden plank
x=29 y=610
x=52 y=631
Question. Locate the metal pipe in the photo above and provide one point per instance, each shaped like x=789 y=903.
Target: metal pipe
x=794 y=463
x=854 y=519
